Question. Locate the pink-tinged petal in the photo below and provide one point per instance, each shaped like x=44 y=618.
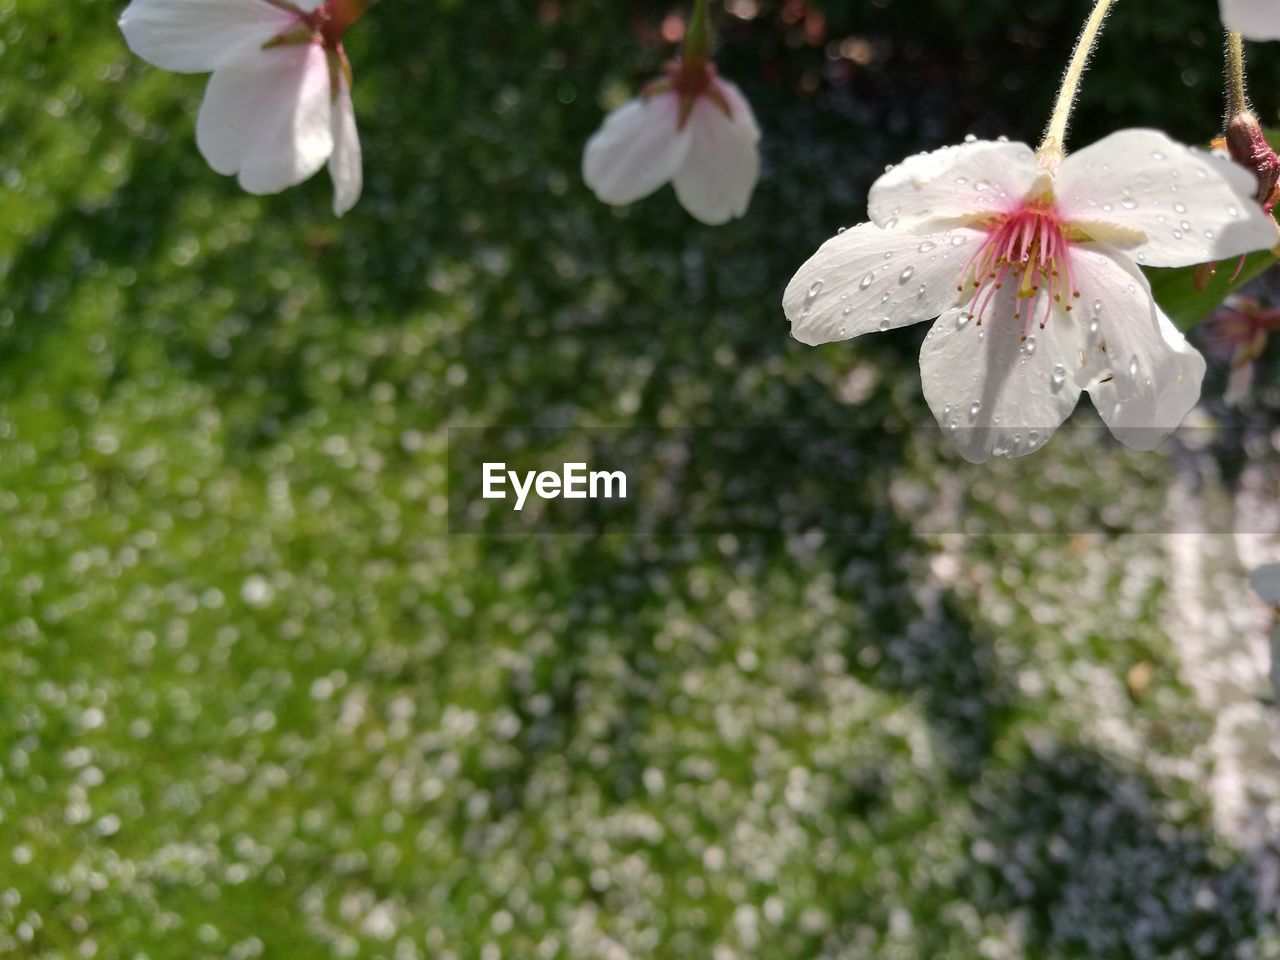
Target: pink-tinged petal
x=959 y=184
x=198 y=36
x=993 y=393
x=639 y=148
x=1256 y=19
x=346 y=164
x=1141 y=373
x=1165 y=204
x=1266 y=582
x=266 y=117
x=867 y=279
x=720 y=171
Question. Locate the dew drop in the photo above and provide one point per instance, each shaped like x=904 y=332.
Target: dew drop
x=975 y=408
x=883 y=325
x=1180 y=207
x=906 y=274
x=866 y=281
x=927 y=246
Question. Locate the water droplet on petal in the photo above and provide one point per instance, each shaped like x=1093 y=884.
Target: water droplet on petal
x=906 y=274
x=884 y=324
x=866 y=281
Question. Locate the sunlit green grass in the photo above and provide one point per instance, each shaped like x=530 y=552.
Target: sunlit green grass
x=254 y=700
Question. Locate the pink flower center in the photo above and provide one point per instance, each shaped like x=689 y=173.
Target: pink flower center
x=1030 y=248
x=691 y=78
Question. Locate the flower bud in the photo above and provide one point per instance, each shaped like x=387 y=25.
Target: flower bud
x=1248 y=147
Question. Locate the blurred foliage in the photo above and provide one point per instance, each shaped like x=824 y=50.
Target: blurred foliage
x=254 y=702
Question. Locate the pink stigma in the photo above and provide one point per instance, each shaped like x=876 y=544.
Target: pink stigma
x=1027 y=247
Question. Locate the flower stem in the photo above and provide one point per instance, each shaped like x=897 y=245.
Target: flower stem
x=699 y=39
x=1052 y=150
x=1237 y=100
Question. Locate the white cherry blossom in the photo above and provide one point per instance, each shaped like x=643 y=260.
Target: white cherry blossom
x=1255 y=19
x=278 y=104
x=1032 y=271
x=692 y=129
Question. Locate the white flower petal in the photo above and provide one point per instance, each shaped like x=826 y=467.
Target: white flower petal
x=198 y=36
x=1166 y=204
x=1256 y=19
x=720 y=171
x=639 y=148
x=1144 y=421
x=867 y=279
x=954 y=184
x=267 y=117
x=993 y=393
x=1141 y=373
x=345 y=165
x=1239 y=384
x=1266 y=582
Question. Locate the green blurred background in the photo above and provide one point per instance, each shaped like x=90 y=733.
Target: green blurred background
x=254 y=700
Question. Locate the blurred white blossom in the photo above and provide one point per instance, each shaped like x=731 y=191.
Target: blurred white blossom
x=278 y=105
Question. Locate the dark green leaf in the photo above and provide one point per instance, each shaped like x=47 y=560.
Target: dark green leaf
x=1175 y=289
